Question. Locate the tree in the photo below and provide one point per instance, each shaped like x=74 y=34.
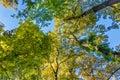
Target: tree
x=71 y=61
x=22 y=51
x=78 y=46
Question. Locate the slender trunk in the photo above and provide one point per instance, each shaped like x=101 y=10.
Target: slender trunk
x=56 y=77
x=57 y=64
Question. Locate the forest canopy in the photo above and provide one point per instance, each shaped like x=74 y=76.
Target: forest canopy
x=77 y=48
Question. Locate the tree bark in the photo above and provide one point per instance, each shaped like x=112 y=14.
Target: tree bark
x=95 y=9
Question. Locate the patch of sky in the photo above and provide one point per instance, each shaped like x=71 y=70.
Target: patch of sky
x=6 y=19
x=48 y=28
x=113 y=34
x=12 y=23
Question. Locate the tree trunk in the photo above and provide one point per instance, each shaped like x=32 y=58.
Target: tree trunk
x=95 y=8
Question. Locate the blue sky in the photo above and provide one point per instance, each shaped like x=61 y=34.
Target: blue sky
x=11 y=23
x=114 y=34
x=6 y=19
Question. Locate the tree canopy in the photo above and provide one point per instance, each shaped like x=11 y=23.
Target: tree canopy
x=77 y=48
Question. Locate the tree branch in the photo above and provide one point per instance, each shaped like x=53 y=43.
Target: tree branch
x=69 y=57
x=51 y=66
x=113 y=73
x=95 y=9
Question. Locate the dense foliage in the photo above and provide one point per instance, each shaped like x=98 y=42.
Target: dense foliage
x=22 y=51
x=77 y=47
